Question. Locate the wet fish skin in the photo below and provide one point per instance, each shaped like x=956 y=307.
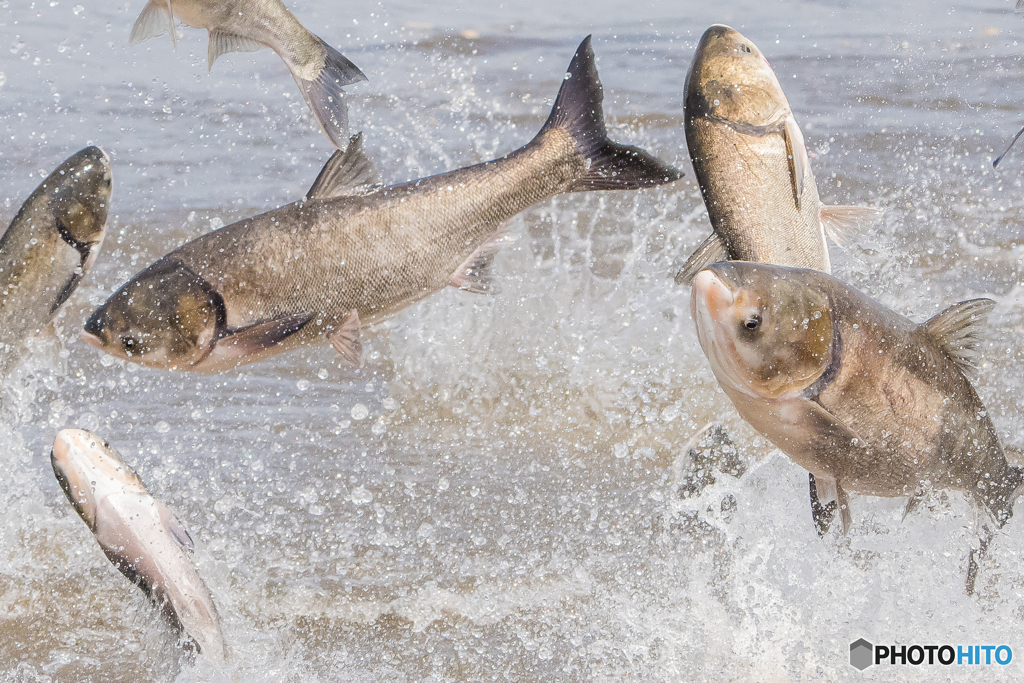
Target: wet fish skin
x=350 y=254
x=50 y=245
x=751 y=164
x=862 y=397
x=319 y=70
x=138 y=534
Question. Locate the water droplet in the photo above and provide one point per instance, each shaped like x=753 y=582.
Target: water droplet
x=379 y=427
x=162 y=427
x=359 y=412
x=322 y=374
x=442 y=485
x=215 y=223
x=77 y=9
x=302 y=384
x=361 y=496
x=390 y=403
x=621 y=450
x=89 y=421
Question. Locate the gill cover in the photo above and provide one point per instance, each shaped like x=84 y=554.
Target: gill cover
x=166 y=316
x=765 y=334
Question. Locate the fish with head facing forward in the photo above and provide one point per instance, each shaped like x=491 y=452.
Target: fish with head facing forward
x=138 y=534
x=353 y=252
x=860 y=396
x=751 y=164
x=249 y=25
x=51 y=244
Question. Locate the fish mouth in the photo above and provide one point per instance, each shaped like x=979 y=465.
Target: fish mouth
x=713 y=294
x=93 y=339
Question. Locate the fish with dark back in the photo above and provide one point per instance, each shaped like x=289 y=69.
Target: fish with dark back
x=353 y=253
x=863 y=398
x=319 y=70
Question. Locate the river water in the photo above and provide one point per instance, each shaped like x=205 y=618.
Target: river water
x=503 y=492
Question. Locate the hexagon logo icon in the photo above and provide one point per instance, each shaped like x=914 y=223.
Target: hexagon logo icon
x=861 y=652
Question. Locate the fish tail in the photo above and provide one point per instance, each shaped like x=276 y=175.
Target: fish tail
x=999 y=499
x=608 y=165
x=325 y=98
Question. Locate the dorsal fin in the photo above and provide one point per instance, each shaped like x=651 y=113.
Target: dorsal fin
x=348 y=173
x=957 y=331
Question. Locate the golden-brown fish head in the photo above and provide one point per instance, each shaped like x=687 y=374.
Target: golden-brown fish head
x=729 y=79
x=79 y=197
x=165 y=317
x=88 y=470
x=766 y=332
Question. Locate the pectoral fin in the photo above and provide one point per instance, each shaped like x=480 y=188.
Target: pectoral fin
x=797 y=154
x=174 y=528
x=711 y=250
x=845 y=223
x=223 y=42
x=259 y=337
x=823 y=507
x=347 y=341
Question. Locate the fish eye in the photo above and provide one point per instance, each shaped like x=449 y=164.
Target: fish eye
x=129 y=343
x=753 y=321
x=745 y=48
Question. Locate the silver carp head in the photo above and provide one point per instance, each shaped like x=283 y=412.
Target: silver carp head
x=88 y=470
x=766 y=333
x=166 y=317
x=731 y=81
x=80 y=197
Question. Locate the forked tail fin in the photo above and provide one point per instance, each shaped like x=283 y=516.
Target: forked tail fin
x=325 y=97
x=608 y=165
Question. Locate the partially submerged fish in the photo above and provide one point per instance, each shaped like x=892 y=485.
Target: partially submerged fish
x=353 y=253
x=51 y=244
x=860 y=396
x=138 y=534
x=751 y=164
x=249 y=25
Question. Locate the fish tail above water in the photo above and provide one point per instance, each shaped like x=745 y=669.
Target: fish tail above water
x=578 y=110
x=324 y=96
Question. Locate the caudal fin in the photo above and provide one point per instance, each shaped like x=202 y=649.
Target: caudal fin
x=325 y=98
x=1000 y=497
x=608 y=165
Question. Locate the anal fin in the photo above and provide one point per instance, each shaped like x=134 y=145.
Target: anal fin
x=259 y=337
x=347 y=340
x=223 y=42
x=711 y=250
x=476 y=272
x=152 y=22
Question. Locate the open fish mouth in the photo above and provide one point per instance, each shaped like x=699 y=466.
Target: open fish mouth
x=711 y=299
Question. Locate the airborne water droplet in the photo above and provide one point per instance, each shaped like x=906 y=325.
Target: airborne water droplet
x=359 y=411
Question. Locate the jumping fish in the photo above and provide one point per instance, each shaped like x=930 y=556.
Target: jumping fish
x=353 y=253
x=50 y=245
x=751 y=164
x=860 y=396
x=138 y=534
x=249 y=25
